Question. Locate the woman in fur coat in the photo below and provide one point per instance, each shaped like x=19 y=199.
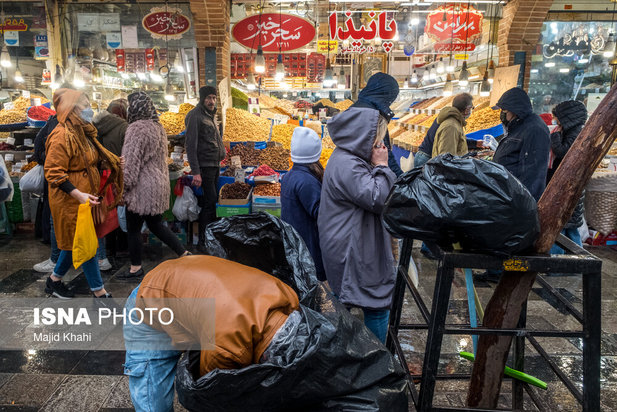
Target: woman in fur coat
x=146 y=180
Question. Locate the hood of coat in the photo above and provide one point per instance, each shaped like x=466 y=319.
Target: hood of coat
x=448 y=112
x=517 y=101
x=106 y=122
x=571 y=114
x=355 y=130
x=380 y=92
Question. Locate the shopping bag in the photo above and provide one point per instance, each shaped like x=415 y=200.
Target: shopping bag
x=111 y=220
x=6 y=185
x=33 y=181
x=121 y=210
x=85 y=241
x=186 y=208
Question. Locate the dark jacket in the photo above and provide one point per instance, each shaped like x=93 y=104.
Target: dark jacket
x=427 y=144
x=300 y=198
x=204 y=145
x=41 y=139
x=572 y=116
x=380 y=92
x=111 y=130
x=524 y=150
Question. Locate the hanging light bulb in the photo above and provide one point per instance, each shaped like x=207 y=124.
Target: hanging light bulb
x=178 y=63
x=5 y=57
x=448 y=88
x=280 y=69
x=18 y=77
x=405 y=84
x=450 y=67
x=342 y=80
x=463 y=78
x=485 y=88
x=328 y=80
x=78 y=80
x=441 y=68
x=432 y=75
x=609 y=48
x=491 y=71
x=169 y=93
x=414 y=77
x=260 y=61
x=250 y=82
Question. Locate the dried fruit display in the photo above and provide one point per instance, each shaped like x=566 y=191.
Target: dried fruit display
x=325 y=156
x=282 y=133
x=28 y=167
x=419 y=119
x=413 y=138
x=173 y=123
x=242 y=126
x=264 y=170
x=429 y=121
x=343 y=105
x=249 y=156
x=265 y=102
x=327 y=143
x=482 y=119
x=185 y=108
x=268 y=189
x=481 y=102
x=22 y=103
x=443 y=102
x=426 y=103
x=276 y=157
x=40 y=113
x=236 y=190
x=326 y=102
x=12 y=116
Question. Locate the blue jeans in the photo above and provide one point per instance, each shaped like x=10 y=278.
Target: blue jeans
x=151 y=372
x=90 y=268
x=420 y=159
x=377 y=322
x=571 y=234
x=55 y=252
x=101 y=252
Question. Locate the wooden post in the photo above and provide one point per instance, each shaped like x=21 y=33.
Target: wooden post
x=555 y=208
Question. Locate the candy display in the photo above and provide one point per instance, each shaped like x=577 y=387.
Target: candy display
x=22 y=103
x=429 y=121
x=249 y=156
x=12 y=116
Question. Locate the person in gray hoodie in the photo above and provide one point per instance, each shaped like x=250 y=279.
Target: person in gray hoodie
x=356 y=248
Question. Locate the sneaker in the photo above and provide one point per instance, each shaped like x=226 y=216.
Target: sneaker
x=58 y=289
x=45 y=266
x=127 y=275
x=104 y=265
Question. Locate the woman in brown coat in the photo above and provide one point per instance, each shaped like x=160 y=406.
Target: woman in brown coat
x=74 y=155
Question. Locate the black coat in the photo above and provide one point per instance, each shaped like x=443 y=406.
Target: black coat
x=572 y=116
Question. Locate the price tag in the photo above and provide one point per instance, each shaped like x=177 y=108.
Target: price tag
x=236 y=162
x=26 y=94
x=8 y=106
x=28 y=142
x=239 y=175
x=174 y=108
x=9 y=157
x=35 y=101
x=11 y=141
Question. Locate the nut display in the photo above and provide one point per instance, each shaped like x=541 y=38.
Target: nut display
x=22 y=103
x=173 y=123
x=411 y=137
x=243 y=126
x=276 y=157
x=268 y=189
x=445 y=101
x=482 y=119
x=344 y=105
x=236 y=190
x=282 y=133
x=12 y=116
x=429 y=121
x=185 y=108
x=249 y=156
x=327 y=143
x=28 y=167
x=326 y=102
x=325 y=156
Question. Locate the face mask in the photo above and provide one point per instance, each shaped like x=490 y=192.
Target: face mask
x=504 y=118
x=555 y=122
x=469 y=115
x=87 y=115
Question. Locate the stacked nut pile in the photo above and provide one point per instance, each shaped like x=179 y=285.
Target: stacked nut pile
x=429 y=121
x=185 y=108
x=268 y=189
x=236 y=190
x=249 y=156
x=282 y=133
x=344 y=105
x=242 y=126
x=22 y=103
x=276 y=157
x=483 y=119
x=173 y=123
x=325 y=156
x=12 y=116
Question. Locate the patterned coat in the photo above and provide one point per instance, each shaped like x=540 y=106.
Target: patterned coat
x=146 y=177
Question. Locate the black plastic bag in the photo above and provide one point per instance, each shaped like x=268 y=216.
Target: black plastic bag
x=328 y=362
x=475 y=202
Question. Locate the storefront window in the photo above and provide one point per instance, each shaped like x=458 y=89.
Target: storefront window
x=570 y=62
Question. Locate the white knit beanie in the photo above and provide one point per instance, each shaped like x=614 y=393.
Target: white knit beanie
x=305 y=146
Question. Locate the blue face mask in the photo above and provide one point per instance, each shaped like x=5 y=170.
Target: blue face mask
x=87 y=115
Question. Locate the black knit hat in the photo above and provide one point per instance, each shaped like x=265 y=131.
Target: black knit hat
x=206 y=91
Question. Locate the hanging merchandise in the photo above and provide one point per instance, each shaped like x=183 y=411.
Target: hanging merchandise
x=120 y=63
x=274 y=32
x=149 y=60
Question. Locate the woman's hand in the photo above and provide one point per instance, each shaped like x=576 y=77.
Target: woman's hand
x=82 y=197
x=122 y=162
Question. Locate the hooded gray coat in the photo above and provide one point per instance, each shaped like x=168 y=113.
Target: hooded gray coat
x=356 y=248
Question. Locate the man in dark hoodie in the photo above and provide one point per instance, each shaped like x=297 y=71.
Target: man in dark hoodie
x=524 y=150
x=380 y=92
x=205 y=151
x=111 y=126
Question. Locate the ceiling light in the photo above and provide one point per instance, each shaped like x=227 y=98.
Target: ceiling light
x=534 y=71
x=609 y=48
x=463 y=78
x=18 y=77
x=583 y=60
x=157 y=78
x=414 y=77
x=485 y=88
x=405 y=84
x=491 y=71
x=5 y=57
x=441 y=68
x=448 y=88
x=564 y=70
x=178 y=63
x=280 y=69
x=260 y=61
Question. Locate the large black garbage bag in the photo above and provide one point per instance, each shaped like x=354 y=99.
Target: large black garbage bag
x=475 y=202
x=325 y=360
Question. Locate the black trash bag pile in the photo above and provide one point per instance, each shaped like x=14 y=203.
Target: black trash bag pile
x=474 y=202
x=327 y=361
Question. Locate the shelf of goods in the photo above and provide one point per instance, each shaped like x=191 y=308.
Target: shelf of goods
x=17 y=118
x=173 y=123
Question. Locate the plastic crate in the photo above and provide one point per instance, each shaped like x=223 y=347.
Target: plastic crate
x=14 y=209
x=227 y=211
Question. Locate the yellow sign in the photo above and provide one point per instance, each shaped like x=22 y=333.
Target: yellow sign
x=516 y=265
x=461 y=56
x=322 y=46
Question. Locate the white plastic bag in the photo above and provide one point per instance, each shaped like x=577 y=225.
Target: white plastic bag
x=185 y=207
x=33 y=181
x=6 y=184
x=122 y=218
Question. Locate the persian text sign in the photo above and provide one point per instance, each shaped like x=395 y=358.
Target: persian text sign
x=323 y=46
x=378 y=28
x=274 y=32
x=13 y=25
x=166 y=23
x=456 y=23
x=454 y=47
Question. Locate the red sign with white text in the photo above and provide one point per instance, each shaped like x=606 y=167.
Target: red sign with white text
x=378 y=27
x=166 y=23
x=273 y=32
x=460 y=24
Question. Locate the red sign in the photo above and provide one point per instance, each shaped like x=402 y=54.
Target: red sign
x=272 y=31
x=459 y=25
x=166 y=23
x=454 y=47
x=378 y=27
x=149 y=60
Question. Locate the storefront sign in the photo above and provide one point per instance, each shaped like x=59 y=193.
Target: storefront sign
x=569 y=45
x=88 y=22
x=357 y=47
x=166 y=23
x=114 y=40
x=41 y=48
x=129 y=37
x=274 y=31
x=324 y=45
x=378 y=28
x=109 y=22
x=454 y=47
x=11 y=38
x=120 y=63
x=455 y=23
x=14 y=25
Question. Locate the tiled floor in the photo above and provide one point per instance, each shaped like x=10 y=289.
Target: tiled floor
x=93 y=380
